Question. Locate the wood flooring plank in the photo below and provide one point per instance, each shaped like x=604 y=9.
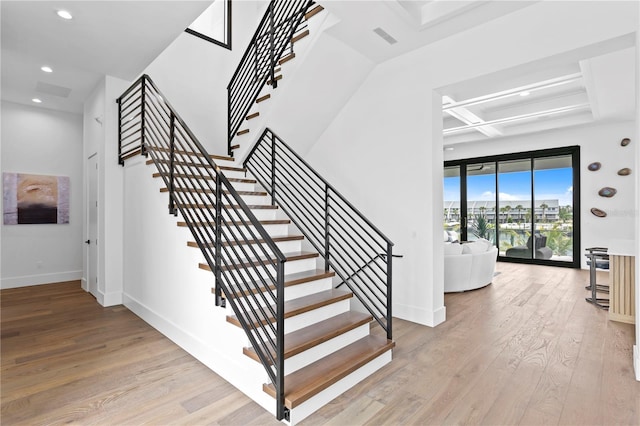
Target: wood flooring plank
x=526 y=349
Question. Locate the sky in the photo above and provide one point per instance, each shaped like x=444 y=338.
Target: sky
x=550 y=184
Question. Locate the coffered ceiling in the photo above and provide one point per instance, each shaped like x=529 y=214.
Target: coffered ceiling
x=596 y=83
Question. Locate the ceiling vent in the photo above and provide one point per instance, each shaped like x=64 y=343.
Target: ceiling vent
x=52 y=89
x=385 y=36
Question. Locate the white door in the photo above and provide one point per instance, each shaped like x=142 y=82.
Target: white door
x=92 y=242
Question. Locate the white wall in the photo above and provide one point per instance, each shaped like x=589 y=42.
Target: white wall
x=41 y=141
x=193 y=75
x=315 y=85
x=102 y=140
x=598 y=142
x=384 y=150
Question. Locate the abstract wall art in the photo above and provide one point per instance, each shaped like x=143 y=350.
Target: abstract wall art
x=35 y=199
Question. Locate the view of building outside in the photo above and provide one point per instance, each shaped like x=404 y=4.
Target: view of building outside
x=548 y=214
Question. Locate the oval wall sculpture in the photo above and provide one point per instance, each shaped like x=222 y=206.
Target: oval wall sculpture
x=625 y=141
x=607 y=192
x=598 y=212
x=624 y=172
x=594 y=166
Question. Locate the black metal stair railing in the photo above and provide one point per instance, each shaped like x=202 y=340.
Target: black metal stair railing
x=248 y=275
x=351 y=245
x=271 y=42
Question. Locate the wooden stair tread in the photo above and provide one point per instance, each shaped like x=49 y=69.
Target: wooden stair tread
x=289 y=280
x=307 y=276
x=314 y=378
x=131 y=154
x=187 y=176
x=227 y=206
x=313 y=335
x=190 y=153
x=240 y=133
x=277 y=78
x=279 y=239
x=239 y=223
x=291 y=256
x=287 y=58
x=236 y=146
x=254 y=115
x=313 y=12
x=263 y=98
x=299 y=306
x=191 y=164
x=300 y=36
x=210 y=191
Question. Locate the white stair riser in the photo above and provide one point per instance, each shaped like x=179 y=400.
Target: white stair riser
x=290 y=267
x=318 y=401
x=273 y=230
x=256 y=199
x=317 y=352
x=306 y=319
x=306 y=289
x=244 y=186
x=235 y=174
x=317 y=315
x=284 y=246
x=260 y=214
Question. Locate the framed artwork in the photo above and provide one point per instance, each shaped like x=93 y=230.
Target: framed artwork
x=35 y=199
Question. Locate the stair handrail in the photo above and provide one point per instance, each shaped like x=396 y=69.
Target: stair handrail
x=351 y=245
x=224 y=227
x=257 y=66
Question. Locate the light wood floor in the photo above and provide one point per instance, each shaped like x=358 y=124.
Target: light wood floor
x=525 y=350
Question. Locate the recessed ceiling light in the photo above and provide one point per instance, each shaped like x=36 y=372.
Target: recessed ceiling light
x=525 y=93
x=64 y=14
x=46 y=69
x=448 y=148
x=36 y=100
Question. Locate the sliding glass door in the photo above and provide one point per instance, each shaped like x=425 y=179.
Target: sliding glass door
x=523 y=203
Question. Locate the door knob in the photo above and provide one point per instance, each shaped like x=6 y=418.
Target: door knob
x=88 y=242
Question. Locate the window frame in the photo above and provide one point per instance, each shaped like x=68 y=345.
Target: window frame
x=574 y=151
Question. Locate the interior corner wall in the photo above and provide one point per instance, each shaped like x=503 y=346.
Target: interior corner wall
x=44 y=142
x=193 y=74
x=382 y=150
x=101 y=139
x=598 y=142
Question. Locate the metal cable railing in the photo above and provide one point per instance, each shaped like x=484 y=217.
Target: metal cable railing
x=248 y=266
x=351 y=245
x=271 y=42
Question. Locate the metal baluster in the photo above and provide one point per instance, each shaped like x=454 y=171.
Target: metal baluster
x=281 y=411
x=389 y=284
x=327 y=216
x=273 y=170
x=143 y=101
x=218 y=243
x=172 y=148
x=272 y=48
x=120 y=160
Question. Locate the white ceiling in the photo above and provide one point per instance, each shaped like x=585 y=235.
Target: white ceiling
x=117 y=38
x=120 y=38
x=595 y=83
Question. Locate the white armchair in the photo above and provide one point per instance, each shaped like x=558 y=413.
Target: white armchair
x=468 y=266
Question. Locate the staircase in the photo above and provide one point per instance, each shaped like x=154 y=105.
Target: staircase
x=304 y=278
x=284 y=24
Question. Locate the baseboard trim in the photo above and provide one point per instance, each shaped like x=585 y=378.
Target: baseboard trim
x=420 y=315
x=29 y=280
